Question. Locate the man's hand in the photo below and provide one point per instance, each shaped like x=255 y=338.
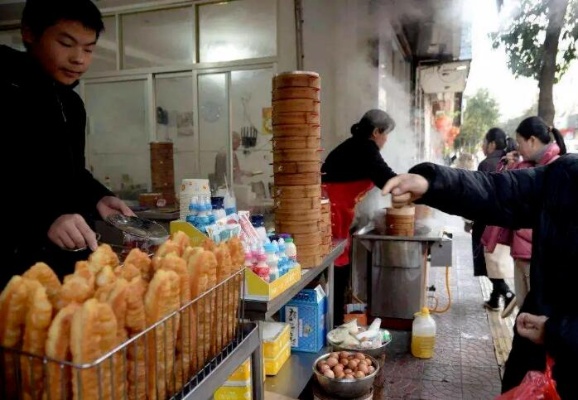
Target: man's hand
x=109 y=205
x=70 y=231
x=532 y=327
x=405 y=189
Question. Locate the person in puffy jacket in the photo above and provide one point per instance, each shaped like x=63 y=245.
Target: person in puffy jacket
x=543 y=199
x=537 y=144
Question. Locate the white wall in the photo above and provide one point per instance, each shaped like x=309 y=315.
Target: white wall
x=340 y=39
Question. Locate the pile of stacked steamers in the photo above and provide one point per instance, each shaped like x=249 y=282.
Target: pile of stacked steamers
x=297 y=165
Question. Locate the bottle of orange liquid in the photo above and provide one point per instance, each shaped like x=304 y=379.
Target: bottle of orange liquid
x=423 y=334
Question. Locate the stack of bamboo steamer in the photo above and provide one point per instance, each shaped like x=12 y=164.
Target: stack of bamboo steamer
x=163 y=170
x=325 y=226
x=297 y=162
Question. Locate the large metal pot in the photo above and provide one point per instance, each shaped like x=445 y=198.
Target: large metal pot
x=346 y=389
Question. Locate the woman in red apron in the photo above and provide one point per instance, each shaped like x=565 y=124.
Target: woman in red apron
x=349 y=172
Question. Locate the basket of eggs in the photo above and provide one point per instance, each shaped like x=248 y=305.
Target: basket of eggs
x=346 y=374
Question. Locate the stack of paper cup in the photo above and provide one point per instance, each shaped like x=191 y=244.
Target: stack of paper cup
x=190 y=188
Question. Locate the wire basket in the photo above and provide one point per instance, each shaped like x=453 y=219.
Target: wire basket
x=165 y=361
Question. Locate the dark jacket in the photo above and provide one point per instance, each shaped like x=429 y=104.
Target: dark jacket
x=544 y=199
x=490 y=163
x=356 y=159
x=43 y=168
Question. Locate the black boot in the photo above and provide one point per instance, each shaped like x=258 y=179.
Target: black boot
x=493 y=304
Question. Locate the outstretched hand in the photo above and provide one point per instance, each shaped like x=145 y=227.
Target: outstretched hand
x=109 y=205
x=405 y=189
x=70 y=231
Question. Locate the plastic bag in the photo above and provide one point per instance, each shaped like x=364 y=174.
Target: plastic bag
x=535 y=386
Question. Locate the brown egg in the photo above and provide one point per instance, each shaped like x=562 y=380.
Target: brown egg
x=334 y=355
x=349 y=376
x=344 y=354
x=339 y=375
x=353 y=364
x=363 y=368
x=338 y=368
x=332 y=362
x=324 y=368
x=359 y=375
x=371 y=369
x=344 y=362
x=369 y=362
x=360 y=356
x=348 y=371
x=363 y=362
x=321 y=364
x=329 y=374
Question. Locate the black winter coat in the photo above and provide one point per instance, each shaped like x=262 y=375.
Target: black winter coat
x=546 y=200
x=43 y=168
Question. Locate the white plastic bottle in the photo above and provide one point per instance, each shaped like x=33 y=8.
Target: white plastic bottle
x=423 y=334
x=272 y=261
x=291 y=250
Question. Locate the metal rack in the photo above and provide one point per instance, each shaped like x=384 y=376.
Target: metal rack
x=294 y=376
x=154 y=363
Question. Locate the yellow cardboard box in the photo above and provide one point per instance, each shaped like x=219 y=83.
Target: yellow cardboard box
x=273 y=365
x=257 y=289
x=276 y=335
x=197 y=237
x=227 y=392
x=243 y=373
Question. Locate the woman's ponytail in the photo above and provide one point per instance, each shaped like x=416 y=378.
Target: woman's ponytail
x=559 y=139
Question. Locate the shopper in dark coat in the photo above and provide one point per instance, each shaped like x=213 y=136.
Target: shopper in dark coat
x=50 y=199
x=544 y=199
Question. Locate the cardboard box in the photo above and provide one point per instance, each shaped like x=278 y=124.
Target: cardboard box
x=305 y=313
x=276 y=336
x=274 y=365
x=257 y=289
x=230 y=392
x=197 y=237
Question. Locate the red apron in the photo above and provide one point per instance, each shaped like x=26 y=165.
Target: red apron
x=343 y=197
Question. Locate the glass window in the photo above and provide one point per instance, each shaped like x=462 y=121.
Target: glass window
x=12 y=39
x=237 y=30
x=175 y=121
x=118 y=134
x=158 y=38
x=104 y=56
x=214 y=135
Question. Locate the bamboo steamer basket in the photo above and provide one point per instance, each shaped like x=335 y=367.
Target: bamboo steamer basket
x=312 y=243
x=294 y=118
x=307 y=178
x=295 y=105
x=294 y=228
x=296 y=192
x=298 y=216
x=297 y=78
x=296 y=143
x=306 y=203
x=297 y=131
x=325 y=206
x=308 y=250
x=286 y=93
x=307 y=262
x=311 y=155
x=325 y=218
x=296 y=167
x=306 y=237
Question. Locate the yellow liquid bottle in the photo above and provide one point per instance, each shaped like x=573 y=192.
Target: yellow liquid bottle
x=423 y=334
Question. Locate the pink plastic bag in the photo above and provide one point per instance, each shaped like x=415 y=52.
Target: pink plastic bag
x=535 y=386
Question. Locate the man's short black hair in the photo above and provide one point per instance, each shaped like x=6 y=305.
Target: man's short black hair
x=38 y=15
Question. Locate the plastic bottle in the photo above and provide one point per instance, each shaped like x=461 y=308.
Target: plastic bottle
x=291 y=250
x=230 y=204
x=262 y=269
x=193 y=210
x=423 y=334
x=272 y=261
x=283 y=259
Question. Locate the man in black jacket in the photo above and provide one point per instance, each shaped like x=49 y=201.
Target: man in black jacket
x=543 y=199
x=50 y=199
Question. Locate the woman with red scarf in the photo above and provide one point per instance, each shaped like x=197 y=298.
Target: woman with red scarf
x=349 y=172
